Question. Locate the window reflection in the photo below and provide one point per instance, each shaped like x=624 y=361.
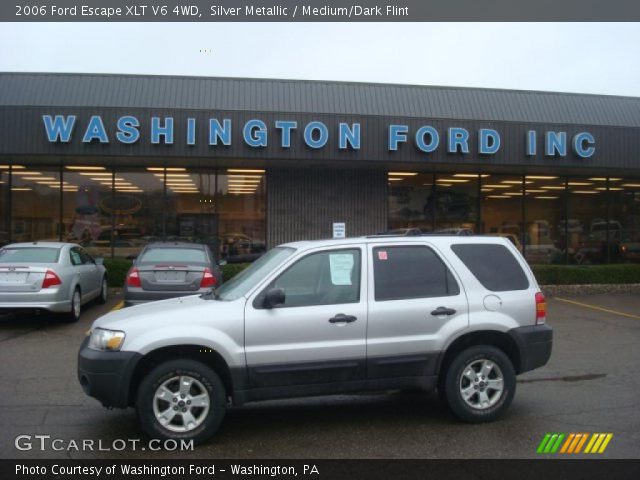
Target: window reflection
x=456 y=203
x=412 y=204
x=544 y=222
x=624 y=220
x=501 y=207
x=586 y=222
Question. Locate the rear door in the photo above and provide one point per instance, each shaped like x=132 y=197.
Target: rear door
x=415 y=303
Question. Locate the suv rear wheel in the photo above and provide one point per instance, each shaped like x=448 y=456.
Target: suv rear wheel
x=479 y=384
x=181 y=399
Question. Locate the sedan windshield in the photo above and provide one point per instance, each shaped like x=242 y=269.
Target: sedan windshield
x=29 y=255
x=247 y=279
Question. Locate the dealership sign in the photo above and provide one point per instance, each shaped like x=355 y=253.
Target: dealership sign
x=315 y=135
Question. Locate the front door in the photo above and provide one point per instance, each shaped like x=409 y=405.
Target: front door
x=318 y=334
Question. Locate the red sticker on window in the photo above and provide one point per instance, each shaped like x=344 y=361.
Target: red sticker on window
x=382 y=255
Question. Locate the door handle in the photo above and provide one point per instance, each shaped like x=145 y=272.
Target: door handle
x=342 y=318
x=443 y=311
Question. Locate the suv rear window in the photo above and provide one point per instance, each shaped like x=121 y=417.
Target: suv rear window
x=170 y=254
x=411 y=272
x=494 y=266
x=29 y=255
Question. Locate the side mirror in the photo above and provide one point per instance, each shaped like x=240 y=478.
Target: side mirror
x=222 y=262
x=273 y=297
x=98 y=261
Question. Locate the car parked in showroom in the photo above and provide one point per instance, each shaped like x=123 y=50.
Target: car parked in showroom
x=171 y=269
x=462 y=315
x=50 y=276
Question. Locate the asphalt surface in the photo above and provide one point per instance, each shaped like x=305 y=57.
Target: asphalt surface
x=590 y=385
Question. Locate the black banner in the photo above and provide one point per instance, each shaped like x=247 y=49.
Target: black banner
x=321 y=469
x=318 y=10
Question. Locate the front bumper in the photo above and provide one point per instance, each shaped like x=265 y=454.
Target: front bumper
x=106 y=376
x=534 y=344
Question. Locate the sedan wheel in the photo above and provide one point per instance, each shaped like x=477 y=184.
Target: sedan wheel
x=74 y=314
x=104 y=291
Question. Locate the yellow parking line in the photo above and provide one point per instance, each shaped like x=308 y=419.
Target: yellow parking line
x=118 y=306
x=595 y=307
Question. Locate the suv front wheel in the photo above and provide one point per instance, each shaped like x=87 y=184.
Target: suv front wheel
x=181 y=399
x=479 y=384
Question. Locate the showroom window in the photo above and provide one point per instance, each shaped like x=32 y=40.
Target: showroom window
x=624 y=220
x=501 y=207
x=411 y=200
x=4 y=205
x=35 y=203
x=456 y=206
x=545 y=238
x=586 y=223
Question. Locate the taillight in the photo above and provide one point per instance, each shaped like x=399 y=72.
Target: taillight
x=208 y=280
x=51 y=279
x=541 y=309
x=133 y=278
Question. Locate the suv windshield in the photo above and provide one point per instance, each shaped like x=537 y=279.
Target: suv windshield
x=247 y=279
x=29 y=255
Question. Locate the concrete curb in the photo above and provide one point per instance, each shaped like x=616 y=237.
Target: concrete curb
x=591 y=289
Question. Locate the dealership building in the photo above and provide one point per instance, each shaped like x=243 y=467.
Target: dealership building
x=116 y=161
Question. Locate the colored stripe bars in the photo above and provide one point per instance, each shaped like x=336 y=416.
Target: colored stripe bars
x=573 y=443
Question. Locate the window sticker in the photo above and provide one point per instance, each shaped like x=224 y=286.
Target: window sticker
x=382 y=255
x=341 y=266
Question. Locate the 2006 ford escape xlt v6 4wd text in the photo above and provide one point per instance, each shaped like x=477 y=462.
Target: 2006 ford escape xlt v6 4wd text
x=463 y=315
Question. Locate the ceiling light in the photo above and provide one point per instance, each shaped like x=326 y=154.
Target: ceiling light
x=546 y=198
x=552 y=187
x=514 y=194
x=403 y=174
x=487 y=189
x=445 y=185
x=585 y=191
x=471 y=175
x=242 y=170
x=27 y=173
x=535 y=191
x=497 y=196
x=95 y=174
x=391 y=179
x=245 y=176
x=632 y=185
x=497 y=186
x=580 y=184
x=168 y=169
x=49 y=182
x=15 y=167
x=610 y=188
x=604 y=179
x=168 y=175
x=20 y=189
x=515 y=182
x=452 y=180
x=84 y=168
x=38 y=178
x=540 y=177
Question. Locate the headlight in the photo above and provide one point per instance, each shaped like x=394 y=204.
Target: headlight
x=102 y=339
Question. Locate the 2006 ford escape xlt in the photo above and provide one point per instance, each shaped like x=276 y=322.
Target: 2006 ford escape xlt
x=463 y=315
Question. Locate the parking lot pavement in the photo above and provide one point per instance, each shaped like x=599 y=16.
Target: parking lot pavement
x=590 y=385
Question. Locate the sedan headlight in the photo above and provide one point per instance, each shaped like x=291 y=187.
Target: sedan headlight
x=103 y=339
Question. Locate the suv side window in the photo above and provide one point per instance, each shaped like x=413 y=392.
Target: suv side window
x=76 y=257
x=416 y=271
x=493 y=265
x=324 y=278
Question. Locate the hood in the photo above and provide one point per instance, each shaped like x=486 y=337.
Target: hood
x=181 y=310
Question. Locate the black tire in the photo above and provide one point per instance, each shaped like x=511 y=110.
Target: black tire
x=104 y=291
x=74 y=315
x=450 y=386
x=165 y=371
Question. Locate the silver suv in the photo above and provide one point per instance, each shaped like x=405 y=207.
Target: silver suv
x=463 y=315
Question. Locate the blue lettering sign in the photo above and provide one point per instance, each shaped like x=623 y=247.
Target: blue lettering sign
x=584 y=144
x=397 y=134
x=191 y=131
x=59 y=129
x=95 y=131
x=220 y=132
x=286 y=127
x=488 y=141
x=458 y=137
x=255 y=133
x=434 y=139
x=349 y=135
x=165 y=131
x=556 y=144
x=531 y=143
x=128 y=129
x=322 y=134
